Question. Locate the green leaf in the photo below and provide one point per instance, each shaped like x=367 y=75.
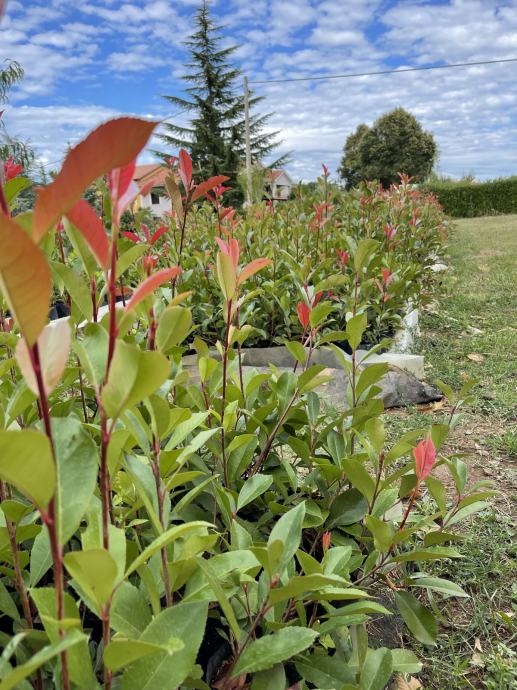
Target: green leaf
x=80 y=247
x=363 y=253
x=437 y=491
x=174 y=326
x=120 y=653
x=430 y=554
x=438 y=584
x=221 y=596
x=15 y=186
x=16 y=676
x=77 y=465
x=130 y=612
x=184 y=429
x=164 y=540
x=300 y=584
x=92 y=351
x=95 y=571
x=134 y=375
x=382 y=533
x=272 y=679
x=376 y=670
x=79 y=662
x=226 y=276
x=348 y=508
x=40 y=558
x=297 y=350
x=7 y=605
x=355 y=329
x=320 y=313
x=75 y=286
x=186 y=621
x=129 y=258
x=466 y=512
x=369 y=376
x=26 y=462
x=359 y=476
x=272 y=649
x=287 y=531
x=405 y=661
x=417 y=617
x=253 y=488
x=324 y=671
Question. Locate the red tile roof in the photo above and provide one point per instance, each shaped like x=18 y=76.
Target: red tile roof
x=144 y=174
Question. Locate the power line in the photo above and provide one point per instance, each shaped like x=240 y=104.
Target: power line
x=387 y=71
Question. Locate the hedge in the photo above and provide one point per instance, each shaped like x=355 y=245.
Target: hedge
x=469 y=199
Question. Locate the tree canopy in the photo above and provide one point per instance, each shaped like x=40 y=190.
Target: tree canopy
x=215 y=137
x=396 y=143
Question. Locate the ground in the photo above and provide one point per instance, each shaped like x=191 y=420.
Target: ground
x=471 y=331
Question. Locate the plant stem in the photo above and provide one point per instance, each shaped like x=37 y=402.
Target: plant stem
x=104 y=480
x=105 y=615
x=18 y=579
x=223 y=400
x=49 y=518
x=81 y=389
x=160 y=495
x=93 y=293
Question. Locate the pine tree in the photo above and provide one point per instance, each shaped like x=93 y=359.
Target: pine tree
x=215 y=138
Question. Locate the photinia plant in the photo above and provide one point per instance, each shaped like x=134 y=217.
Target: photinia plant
x=170 y=517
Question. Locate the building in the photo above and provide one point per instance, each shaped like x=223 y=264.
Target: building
x=154 y=199
x=278 y=185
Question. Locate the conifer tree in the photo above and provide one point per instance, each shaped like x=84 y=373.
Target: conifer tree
x=215 y=138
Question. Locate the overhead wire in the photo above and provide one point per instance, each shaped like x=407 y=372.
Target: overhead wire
x=353 y=75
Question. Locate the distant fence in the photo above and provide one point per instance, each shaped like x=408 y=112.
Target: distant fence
x=470 y=199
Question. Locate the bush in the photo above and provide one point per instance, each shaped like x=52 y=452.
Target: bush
x=471 y=199
x=312 y=240
x=167 y=525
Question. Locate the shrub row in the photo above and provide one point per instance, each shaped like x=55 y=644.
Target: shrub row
x=471 y=199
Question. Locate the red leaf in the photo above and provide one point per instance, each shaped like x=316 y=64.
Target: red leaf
x=252 y=268
x=304 y=314
x=317 y=298
x=185 y=169
x=11 y=169
x=161 y=231
x=131 y=236
x=387 y=276
x=119 y=180
x=146 y=231
x=24 y=279
x=222 y=246
x=91 y=228
x=207 y=186
x=112 y=145
x=425 y=456
x=151 y=284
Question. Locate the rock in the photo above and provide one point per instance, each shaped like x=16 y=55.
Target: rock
x=399 y=388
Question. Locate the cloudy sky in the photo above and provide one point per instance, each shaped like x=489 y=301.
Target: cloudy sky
x=88 y=61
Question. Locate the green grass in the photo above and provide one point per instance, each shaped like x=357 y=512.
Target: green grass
x=477 y=635
x=477 y=315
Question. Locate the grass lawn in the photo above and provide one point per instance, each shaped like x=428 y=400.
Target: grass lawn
x=472 y=332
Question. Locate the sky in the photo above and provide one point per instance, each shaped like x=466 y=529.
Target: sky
x=88 y=61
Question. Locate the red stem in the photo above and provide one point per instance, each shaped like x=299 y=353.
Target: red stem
x=223 y=401
x=49 y=518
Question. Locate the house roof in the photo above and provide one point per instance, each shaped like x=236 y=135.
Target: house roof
x=272 y=175
x=145 y=173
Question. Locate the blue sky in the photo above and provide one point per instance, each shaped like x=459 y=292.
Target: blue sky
x=86 y=62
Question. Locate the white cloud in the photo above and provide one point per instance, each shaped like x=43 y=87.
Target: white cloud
x=51 y=129
x=472 y=112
